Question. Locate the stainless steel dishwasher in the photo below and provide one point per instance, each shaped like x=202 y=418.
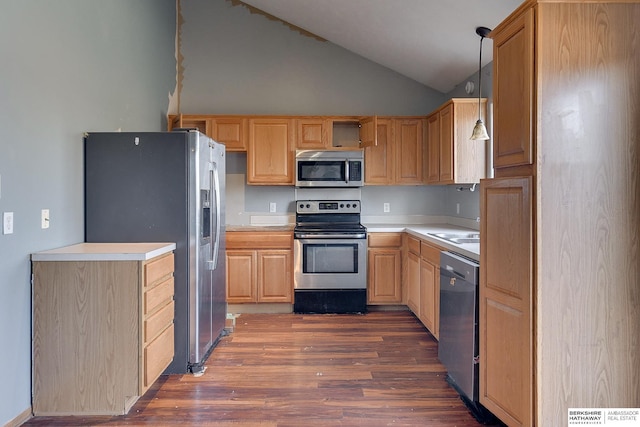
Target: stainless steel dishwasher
x=458 y=344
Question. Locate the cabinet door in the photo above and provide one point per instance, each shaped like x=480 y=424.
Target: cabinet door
x=446 y=144
x=241 y=276
x=413 y=283
x=513 y=62
x=270 y=153
x=433 y=148
x=430 y=296
x=368 y=131
x=378 y=159
x=506 y=296
x=384 y=279
x=230 y=131
x=274 y=276
x=313 y=133
x=408 y=141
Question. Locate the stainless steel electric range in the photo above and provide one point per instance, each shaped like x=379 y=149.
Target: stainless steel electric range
x=330 y=257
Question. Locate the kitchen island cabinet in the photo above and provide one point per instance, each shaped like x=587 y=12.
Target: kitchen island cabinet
x=259 y=267
x=102 y=325
x=559 y=299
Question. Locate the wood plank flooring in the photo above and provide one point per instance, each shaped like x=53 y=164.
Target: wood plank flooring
x=281 y=370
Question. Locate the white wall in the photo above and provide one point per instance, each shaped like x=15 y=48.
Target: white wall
x=68 y=67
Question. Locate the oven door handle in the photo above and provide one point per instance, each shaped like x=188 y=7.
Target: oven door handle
x=330 y=236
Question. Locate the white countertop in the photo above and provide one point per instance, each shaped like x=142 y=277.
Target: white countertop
x=105 y=252
x=471 y=250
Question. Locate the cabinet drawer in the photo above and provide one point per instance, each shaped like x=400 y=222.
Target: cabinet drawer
x=157 y=322
x=158 y=295
x=385 y=240
x=259 y=240
x=430 y=253
x=414 y=245
x=157 y=356
x=157 y=268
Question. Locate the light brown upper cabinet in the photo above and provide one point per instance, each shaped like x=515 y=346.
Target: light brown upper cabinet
x=231 y=131
x=313 y=133
x=200 y=122
x=396 y=157
x=513 y=92
x=408 y=143
x=378 y=159
x=270 y=151
x=453 y=158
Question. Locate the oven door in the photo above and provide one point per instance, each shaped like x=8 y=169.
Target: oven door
x=330 y=263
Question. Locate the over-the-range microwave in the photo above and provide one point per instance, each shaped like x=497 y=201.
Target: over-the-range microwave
x=329 y=168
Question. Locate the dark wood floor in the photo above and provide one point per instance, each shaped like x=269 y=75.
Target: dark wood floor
x=378 y=369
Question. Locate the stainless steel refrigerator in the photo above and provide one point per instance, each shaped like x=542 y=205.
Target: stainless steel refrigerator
x=166 y=187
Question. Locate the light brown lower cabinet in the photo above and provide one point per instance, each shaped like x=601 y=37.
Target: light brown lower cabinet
x=384 y=279
x=413 y=275
x=423 y=282
x=430 y=287
x=259 y=267
x=102 y=333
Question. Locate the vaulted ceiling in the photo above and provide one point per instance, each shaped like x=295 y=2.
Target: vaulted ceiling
x=431 y=41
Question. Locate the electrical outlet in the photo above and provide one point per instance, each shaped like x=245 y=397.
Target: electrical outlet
x=272 y=207
x=44 y=218
x=7 y=223
x=387 y=207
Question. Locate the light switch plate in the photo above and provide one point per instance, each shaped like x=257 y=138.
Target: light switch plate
x=7 y=223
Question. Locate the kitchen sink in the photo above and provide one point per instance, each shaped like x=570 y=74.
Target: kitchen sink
x=458 y=238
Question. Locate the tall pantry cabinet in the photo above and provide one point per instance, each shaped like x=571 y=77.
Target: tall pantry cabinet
x=559 y=295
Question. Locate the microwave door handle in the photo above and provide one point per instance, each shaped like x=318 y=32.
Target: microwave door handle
x=346 y=171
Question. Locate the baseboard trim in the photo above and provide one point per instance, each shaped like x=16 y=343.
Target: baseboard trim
x=21 y=418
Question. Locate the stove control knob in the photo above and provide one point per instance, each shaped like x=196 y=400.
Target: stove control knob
x=301 y=205
x=342 y=205
x=308 y=205
x=355 y=205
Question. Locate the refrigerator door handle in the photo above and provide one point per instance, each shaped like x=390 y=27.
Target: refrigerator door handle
x=215 y=181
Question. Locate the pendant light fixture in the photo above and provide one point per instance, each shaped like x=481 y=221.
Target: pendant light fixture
x=479 y=130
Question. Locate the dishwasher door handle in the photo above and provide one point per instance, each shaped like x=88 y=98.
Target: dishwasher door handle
x=455 y=273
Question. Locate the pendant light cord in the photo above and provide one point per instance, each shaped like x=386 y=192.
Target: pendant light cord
x=480 y=79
